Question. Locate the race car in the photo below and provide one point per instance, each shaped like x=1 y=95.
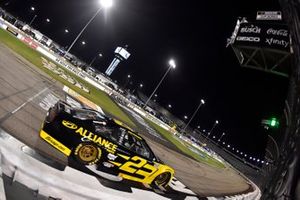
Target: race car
x=93 y=139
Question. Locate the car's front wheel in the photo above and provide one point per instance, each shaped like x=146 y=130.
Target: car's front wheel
x=162 y=180
x=87 y=153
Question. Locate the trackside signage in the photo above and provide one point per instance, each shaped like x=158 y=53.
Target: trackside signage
x=264 y=35
x=268 y=15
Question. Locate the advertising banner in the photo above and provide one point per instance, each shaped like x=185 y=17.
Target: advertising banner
x=263 y=35
x=12 y=31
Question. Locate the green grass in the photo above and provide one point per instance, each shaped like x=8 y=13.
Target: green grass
x=185 y=147
x=97 y=96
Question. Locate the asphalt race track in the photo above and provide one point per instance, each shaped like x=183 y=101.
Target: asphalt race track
x=25 y=95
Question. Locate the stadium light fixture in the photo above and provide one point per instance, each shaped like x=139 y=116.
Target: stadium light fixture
x=141 y=85
x=172 y=63
x=106 y=3
x=169 y=106
x=66 y=31
x=32 y=8
x=47 y=20
x=83 y=43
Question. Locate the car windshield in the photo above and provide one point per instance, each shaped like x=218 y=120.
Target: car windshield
x=87 y=114
x=130 y=141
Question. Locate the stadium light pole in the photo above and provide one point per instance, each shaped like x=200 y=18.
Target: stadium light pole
x=200 y=104
x=172 y=64
x=220 y=138
x=93 y=60
x=33 y=18
x=104 y=4
x=208 y=133
x=127 y=80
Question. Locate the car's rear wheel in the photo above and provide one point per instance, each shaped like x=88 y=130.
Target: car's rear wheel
x=162 y=180
x=87 y=153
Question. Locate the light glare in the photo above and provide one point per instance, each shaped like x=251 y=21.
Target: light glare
x=106 y=3
x=172 y=63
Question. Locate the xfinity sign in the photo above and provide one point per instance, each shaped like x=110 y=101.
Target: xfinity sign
x=268 y=15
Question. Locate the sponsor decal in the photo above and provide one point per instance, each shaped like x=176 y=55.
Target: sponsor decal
x=279 y=32
x=111 y=156
x=69 y=124
x=249 y=39
x=96 y=159
x=273 y=41
x=250 y=29
x=55 y=143
x=107 y=164
x=89 y=136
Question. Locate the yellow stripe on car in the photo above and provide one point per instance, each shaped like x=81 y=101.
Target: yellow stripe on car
x=55 y=143
x=116 y=163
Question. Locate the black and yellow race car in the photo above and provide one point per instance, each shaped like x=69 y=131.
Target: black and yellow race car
x=93 y=139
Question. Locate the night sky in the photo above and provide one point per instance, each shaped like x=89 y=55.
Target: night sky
x=194 y=33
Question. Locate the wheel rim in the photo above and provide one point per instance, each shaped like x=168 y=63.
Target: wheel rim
x=88 y=153
x=162 y=179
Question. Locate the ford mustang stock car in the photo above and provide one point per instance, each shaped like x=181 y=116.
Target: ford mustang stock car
x=96 y=140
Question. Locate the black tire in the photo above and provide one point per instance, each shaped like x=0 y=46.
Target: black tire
x=87 y=153
x=162 y=180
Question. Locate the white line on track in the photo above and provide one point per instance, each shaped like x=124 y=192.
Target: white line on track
x=29 y=100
